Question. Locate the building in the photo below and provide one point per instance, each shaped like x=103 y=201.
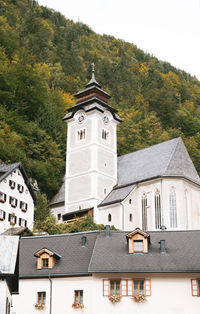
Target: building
x=16 y=197
x=110 y=272
x=155 y=186
x=9 y=271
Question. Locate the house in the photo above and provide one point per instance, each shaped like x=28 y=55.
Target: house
x=9 y=271
x=155 y=186
x=110 y=272
x=16 y=197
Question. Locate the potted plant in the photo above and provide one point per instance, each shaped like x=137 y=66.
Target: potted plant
x=114 y=298
x=77 y=305
x=39 y=306
x=139 y=298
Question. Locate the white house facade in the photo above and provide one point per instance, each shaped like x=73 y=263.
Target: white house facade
x=110 y=272
x=16 y=198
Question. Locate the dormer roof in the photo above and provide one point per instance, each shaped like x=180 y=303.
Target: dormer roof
x=49 y=252
x=138 y=231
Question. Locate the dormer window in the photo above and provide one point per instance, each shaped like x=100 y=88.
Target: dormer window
x=20 y=188
x=46 y=258
x=2 y=197
x=138 y=241
x=11 y=184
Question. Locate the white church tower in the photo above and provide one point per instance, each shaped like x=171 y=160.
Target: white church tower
x=91 y=160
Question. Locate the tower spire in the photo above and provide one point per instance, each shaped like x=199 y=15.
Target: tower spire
x=93 y=80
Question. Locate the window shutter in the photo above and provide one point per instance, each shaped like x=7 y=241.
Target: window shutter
x=26 y=206
x=124 y=287
x=15 y=219
x=130 y=288
x=20 y=204
x=147 y=287
x=9 y=216
x=15 y=202
x=4 y=215
x=5 y=197
x=105 y=287
x=194 y=287
x=25 y=223
x=20 y=221
x=10 y=200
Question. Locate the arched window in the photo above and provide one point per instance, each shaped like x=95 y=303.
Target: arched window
x=157 y=210
x=173 y=209
x=130 y=217
x=186 y=209
x=109 y=217
x=144 y=211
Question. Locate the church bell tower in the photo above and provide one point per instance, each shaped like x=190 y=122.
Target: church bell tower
x=91 y=162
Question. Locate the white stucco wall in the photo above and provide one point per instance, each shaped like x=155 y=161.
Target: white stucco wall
x=4 y=294
x=24 y=197
x=170 y=293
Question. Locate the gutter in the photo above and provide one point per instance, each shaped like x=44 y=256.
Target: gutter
x=50 y=280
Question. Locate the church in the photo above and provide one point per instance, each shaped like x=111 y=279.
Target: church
x=153 y=187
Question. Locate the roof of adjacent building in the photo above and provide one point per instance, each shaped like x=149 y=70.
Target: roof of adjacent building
x=103 y=254
x=6 y=170
x=167 y=159
x=8 y=254
x=60 y=196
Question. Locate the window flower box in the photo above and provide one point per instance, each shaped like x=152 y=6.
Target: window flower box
x=76 y=305
x=40 y=306
x=2 y=200
x=139 y=298
x=12 y=223
x=114 y=298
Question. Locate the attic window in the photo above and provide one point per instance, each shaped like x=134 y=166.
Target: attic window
x=138 y=241
x=20 y=188
x=46 y=258
x=11 y=184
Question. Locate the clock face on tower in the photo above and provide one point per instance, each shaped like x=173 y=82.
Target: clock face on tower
x=81 y=118
x=106 y=119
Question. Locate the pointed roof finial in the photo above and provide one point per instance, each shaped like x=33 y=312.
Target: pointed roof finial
x=180 y=131
x=93 y=80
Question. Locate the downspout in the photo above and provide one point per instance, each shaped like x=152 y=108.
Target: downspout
x=162 y=223
x=50 y=280
x=122 y=216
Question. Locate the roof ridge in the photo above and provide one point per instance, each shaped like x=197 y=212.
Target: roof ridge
x=179 y=138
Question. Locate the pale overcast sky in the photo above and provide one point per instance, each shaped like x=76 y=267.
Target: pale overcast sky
x=168 y=29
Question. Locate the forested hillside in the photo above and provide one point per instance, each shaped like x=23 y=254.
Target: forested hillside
x=45 y=59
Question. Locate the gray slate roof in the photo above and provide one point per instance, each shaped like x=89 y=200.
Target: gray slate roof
x=167 y=159
x=110 y=254
x=60 y=196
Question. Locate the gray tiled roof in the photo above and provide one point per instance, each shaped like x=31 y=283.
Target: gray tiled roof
x=60 y=196
x=110 y=254
x=117 y=195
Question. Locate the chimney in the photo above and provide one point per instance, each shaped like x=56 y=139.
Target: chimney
x=83 y=241
x=162 y=246
x=107 y=231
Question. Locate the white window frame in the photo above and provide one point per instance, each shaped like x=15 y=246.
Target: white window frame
x=2 y=197
x=173 y=208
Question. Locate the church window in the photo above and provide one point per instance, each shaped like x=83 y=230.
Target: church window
x=105 y=134
x=130 y=200
x=157 y=210
x=130 y=217
x=81 y=134
x=144 y=212
x=109 y=217
x=173 y=209
x=186 y=209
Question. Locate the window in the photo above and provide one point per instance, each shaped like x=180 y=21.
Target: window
x=138 y=287
x=45 y=262
x=195 y=283
x=11 y=184
x=20 y=188
x=173 y=210
x=13 y=201
x=7 y=306
x=130 y=200
x=138 y=246
x=104 y=191
x=157 y=210
x=41 y=298
x=78 y=296
x=81 y=134
x=22 y=222
x=115 y=287
x=12 y=218
x=2 y=197
x=109 y=217
x=59 y=216
x=130 y=217
x=23 y=206
x=144 y=212
x=105 y=135
x=2 y=214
